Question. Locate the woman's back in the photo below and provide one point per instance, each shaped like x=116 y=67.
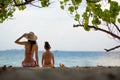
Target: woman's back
x=29 y=52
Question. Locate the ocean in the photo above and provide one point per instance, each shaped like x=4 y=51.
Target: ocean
x=68 y=58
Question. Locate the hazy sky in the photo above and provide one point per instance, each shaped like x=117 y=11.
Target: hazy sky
x=55 y=26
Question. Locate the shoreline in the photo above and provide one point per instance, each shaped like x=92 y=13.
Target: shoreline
x=57 y=73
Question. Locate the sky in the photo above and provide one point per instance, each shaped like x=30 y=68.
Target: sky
x=55 y=26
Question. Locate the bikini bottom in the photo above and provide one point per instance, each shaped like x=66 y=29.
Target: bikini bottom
x=29 y=64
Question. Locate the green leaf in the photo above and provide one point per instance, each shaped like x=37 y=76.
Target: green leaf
x=109 y=1
x=73 y=2
x=21 y=7
x=85 y=15
x=86 y=27
x=62 y=7
x=76 y=7
x=18 y=1
x=76 y=2
x=71 y=9
x=96 y=21
x=61 y=2
x=77 y=17
x=45 y=3
x=119 y=20
x=66 y=1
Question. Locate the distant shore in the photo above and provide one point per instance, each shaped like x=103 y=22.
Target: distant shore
x=57 y=73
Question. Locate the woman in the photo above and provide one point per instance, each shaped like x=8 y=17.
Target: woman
x=31 y=48
x=47 y=56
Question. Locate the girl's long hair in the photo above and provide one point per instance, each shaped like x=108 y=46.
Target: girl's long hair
x=31 y=44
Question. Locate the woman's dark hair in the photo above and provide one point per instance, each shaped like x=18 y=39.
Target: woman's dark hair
x=47 y=45
x=31 y=44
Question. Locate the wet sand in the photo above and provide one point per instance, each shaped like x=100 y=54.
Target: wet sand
x=57 y=73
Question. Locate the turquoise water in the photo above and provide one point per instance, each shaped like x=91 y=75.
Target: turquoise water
x=68 y=58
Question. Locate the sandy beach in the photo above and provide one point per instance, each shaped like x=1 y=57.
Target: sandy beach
x=66 y=73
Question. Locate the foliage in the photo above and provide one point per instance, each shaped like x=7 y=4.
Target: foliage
x=94 y=15
x=20 y=2
x=93 y=9
x=8 y=7
x=44 y=3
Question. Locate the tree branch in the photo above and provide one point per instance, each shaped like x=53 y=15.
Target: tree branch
x=36 y=5
x=97 y=28
x=107 y=50
x=24 y=3
x=116 y=27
